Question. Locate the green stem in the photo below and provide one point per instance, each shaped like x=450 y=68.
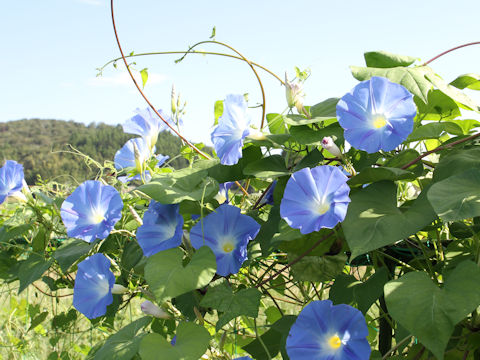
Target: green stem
x=260 y=340
x=386 y=331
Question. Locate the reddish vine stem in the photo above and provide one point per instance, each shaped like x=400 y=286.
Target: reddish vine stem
x=441 y=147
x=143 y=95
x=197 y=150
x=450 y=50
x=293 y=262
x=48 y=294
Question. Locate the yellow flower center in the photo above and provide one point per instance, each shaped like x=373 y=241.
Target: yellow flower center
x=334 y=342
x=323 y=208
x=379 y=121
x=98 y=217
x=228 y=247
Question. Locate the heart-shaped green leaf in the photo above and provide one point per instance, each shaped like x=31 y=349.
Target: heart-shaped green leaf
x=373 y=219
x=168 y=278
x=462 y=202
x=429 y=312
x=192 y=342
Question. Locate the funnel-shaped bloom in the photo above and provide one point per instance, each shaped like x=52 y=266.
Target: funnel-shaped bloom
x=326 y=332
x=233 y=127
x=92 y=292
x=376 y=115
x=91 y=211
x=147 y=124
x=315 y=198
x=134 y=154
x=227 y=232
x=161 y=229
x=11 y=179
x=222 y=196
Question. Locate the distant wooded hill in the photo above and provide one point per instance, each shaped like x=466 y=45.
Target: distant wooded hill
x=37 y=144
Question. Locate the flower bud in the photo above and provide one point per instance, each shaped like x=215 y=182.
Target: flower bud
x=331 y=147
x=294 y=94
x=119 y=289
x=150 y=308
x=256 y=135
x=172 y=100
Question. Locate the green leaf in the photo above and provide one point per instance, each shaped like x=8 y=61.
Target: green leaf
x=274 y=340
x=370 y=175
x=305 y=135
x=37 y=320
x=430 y=313
x=268 y=167
x=434 y=131
x=318 y=268
x=403 y=158
x=325 y=109
x=192 y=342
x=218 y=110
x=221 y=297
x=70 y=252
x=412 y=78
x=383 y=59
x=297 y=120
x=276 y=123
x=8 y=233
x=466 y=124
x=125 y=343
x=438 y=107
x=168 y=278
x=373 y=219
x=144 y=74
x=185 y=184
x=457 y=197
x=470 y=81
x=31 y=270
x=457 y=162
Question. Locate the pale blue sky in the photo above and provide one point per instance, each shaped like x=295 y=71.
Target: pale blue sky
x=51 y=48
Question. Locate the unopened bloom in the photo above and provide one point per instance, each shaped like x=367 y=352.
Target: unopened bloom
x=324 y=331
x=147 y=124
x=315 y=198
x=11 y=179
x=92 y=292
x=331 y=147
x=227 y=232
x=91 y=211
x=222 y=196
x=233 y=127
x=376 y=115
x=161 y=228
x=294 y=94
x=150 y=308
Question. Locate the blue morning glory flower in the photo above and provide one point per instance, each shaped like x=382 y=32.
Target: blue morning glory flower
x=146 y=124
x=324 y=331
x=315 y=198
x=233 y=127
x=91 y=211
x=268 y=197
x=244 y=358
x=227 y=232
x=11 y=179
x=134 y=154
x=376 y=115
x=222 y=196
x=161 y=159
x=94 y=282
x=161 y=229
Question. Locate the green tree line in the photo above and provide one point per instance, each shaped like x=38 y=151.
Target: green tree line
x=44 y=147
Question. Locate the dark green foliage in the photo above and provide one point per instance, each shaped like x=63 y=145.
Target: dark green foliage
x=40 y=145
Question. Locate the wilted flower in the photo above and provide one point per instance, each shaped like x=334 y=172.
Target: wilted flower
x=92 y=292
x=91 y=211
x=324 y=331
x=11 y=179
x=222 y=196
x=161 y=159
x=376 y=115
x=268 y=198
x=161 y=229
x=331 y=147
x=227 y=232
x=134 y=154
x=294 y=94
x=315 y=198
x=150 y=308
x=233 y=127
x=147 y=124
